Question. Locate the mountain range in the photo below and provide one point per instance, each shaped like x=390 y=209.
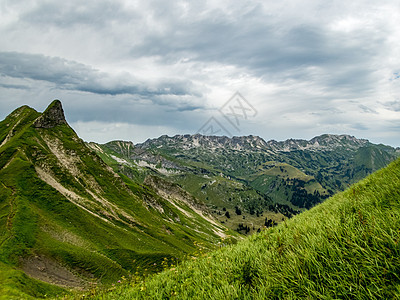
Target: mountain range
x=75 y=214
x=247 y=182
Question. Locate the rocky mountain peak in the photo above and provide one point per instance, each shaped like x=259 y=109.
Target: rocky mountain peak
x=342 y=140
x=325 y=142
x=52 y=116
x=188 y=141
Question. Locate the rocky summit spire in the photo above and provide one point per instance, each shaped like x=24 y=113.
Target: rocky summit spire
x=52 y=116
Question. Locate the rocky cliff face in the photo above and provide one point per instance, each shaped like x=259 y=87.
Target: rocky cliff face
x=52 y=116
x=208 y=142
x=328 y=142
x=255 y=143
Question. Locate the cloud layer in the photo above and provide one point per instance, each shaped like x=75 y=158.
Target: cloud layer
x=153 y=66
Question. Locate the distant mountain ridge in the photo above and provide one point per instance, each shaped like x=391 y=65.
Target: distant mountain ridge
x=322 y=142
x=251 y=180
x=221 y=152
x=196 y=140
x=318 y=143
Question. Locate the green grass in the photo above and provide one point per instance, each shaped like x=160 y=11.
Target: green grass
x=334 y=167
x=125 y=228
x=251 y=178
x=345 y=248
x=219 y=193
x=135 y=237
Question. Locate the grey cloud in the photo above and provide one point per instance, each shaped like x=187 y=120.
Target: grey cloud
x=327 y=111
x=40 y=67
x=243 y=35
x=108 y=110
x=360 y=126
x=69 y=14
x=366 y=109
x=274 y=51
x=70 y=75
x=291 y=50
x=393 y=105
x=14 y=86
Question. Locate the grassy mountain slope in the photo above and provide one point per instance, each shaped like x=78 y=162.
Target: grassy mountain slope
x=246 y=182
x=345 y=248
x=232 y=202
x=334 y=160
x=66 y=218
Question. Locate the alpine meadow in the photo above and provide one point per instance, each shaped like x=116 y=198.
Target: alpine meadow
x=169 y=217
x=68 y=220
x=345 y=248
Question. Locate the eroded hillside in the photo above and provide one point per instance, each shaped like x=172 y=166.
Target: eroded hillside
x=69 y=220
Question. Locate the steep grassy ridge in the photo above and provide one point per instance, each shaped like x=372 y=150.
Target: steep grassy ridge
x=68 y=219
x=345 y=248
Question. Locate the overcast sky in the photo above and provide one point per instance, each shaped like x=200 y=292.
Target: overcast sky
x=134 y=70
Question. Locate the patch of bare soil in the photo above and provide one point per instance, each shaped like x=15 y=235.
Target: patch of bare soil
x=51 y=271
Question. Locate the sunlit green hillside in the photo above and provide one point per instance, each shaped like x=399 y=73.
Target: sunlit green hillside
x=345 y=248
x=67 y=220
x=245 y=181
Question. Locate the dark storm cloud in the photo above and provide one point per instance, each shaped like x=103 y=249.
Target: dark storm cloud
x=267 y=49
x=70 y=75
x=128 y=112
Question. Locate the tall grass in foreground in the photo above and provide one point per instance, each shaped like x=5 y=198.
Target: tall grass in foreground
x=346 y=248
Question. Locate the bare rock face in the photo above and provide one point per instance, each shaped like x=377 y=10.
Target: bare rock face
x=52 y=116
